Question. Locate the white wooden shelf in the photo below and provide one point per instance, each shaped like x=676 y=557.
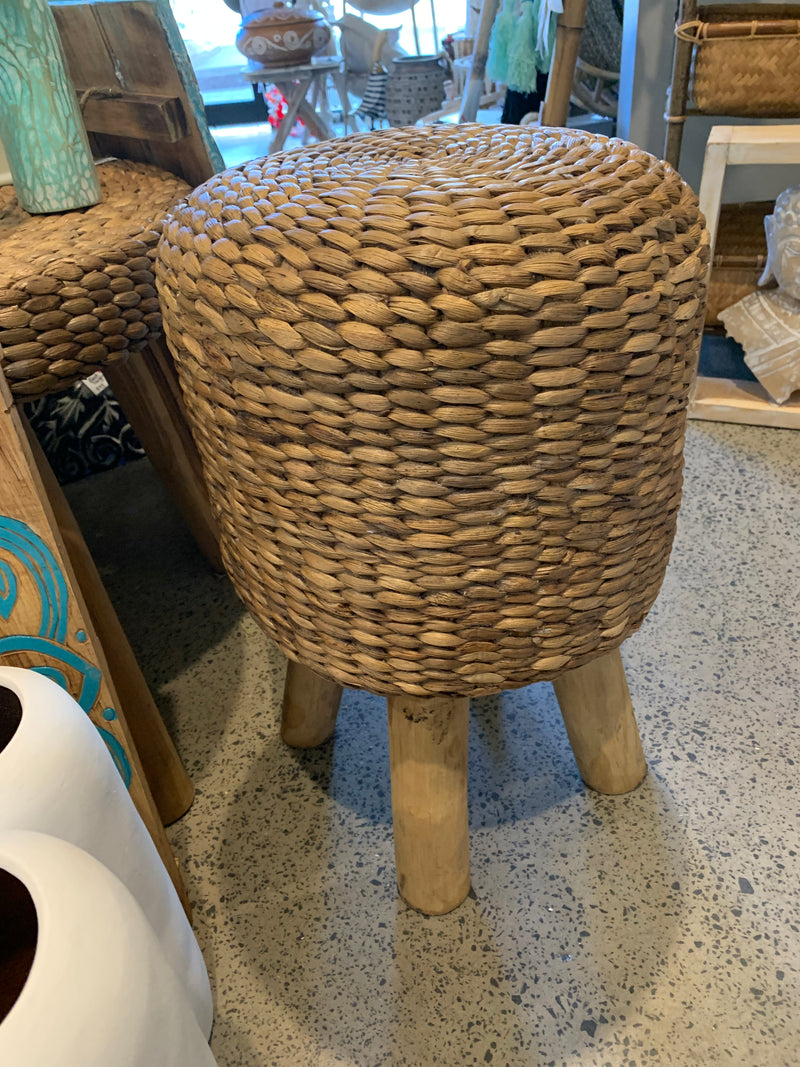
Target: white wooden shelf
x=729 y=400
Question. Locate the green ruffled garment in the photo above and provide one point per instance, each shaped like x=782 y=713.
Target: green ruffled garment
x=517 y=50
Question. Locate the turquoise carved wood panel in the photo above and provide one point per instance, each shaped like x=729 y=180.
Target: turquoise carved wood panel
x=40 y=122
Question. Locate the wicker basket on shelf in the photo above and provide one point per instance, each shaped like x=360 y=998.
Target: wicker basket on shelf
x=746 y=66
x=740 y=253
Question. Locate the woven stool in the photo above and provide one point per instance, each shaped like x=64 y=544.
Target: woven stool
x=77 y=295
x=438 y=378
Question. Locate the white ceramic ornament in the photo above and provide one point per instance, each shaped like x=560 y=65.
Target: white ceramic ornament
x=766 y=323
x=782 y=228
x=99 y=992
x=57 y=777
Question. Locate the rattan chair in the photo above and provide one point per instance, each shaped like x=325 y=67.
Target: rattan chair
x=733 y=60
x=77 y=295
x=440 y=401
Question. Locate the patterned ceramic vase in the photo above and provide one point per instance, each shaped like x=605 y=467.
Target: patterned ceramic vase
x=283 y=35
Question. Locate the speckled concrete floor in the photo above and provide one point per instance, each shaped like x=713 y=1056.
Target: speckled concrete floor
x=657 y=928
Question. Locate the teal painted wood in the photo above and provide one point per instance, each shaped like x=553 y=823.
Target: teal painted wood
x=40 y=123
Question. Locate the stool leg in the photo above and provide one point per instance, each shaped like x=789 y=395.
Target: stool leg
x=310 y=707
x=601 y=726
x=146 y=386
x=428 y=741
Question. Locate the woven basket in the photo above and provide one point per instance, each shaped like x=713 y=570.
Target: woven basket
x=740 y=253
x=753 y=72
x=415 y=88
x=438 y=379
x=77 y=290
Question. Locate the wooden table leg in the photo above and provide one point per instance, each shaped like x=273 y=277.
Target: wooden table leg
x=310 y=707
x=428 y=742
x=294 y=94
x=44 y=620
x=601 y=725
x=147 y=387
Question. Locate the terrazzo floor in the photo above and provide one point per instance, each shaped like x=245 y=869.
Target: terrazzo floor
x=662 y=927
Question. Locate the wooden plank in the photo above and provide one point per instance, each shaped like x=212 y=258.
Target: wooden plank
x=44 y=622
x=747 y=403
x=135 y=46
x=139 y=115
x=88 y=60
x=679 y=89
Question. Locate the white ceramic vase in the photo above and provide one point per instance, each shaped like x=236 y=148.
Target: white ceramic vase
x=99 y=991
x=58 y=778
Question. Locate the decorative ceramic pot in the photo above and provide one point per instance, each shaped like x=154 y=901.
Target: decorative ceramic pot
x=98 y=990
x=57 y=777
x=283 y=35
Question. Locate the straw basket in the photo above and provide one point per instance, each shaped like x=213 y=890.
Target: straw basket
x=749 y=68
x=439 y=382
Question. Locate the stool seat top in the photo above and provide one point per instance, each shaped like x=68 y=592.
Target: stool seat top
x=77 y=287
x=465 y=194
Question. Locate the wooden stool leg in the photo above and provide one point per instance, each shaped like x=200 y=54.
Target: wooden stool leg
x=310 y=707
x=428 y=741
x=147 y=387
x=601 y=726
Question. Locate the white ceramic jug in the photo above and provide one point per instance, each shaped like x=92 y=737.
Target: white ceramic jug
x=58 y=778
x=99 y=991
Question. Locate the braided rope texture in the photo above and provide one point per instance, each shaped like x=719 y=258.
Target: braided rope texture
x=77 y=289
x=439 y=379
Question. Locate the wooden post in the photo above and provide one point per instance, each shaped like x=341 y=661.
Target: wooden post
x=40 y=122
x=569 y=30
x=167 y=779
x=147 y=387
x=480 y=54
x=428 y=742
x=310 y=707
x=679 y=88
x=601 y=725
x=44 y=620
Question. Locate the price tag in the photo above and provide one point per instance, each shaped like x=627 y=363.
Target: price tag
x=96 y=382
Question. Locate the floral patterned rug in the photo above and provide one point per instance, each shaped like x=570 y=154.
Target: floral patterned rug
x=83 y=431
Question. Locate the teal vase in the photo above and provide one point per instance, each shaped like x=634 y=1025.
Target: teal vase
x=40 y=123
